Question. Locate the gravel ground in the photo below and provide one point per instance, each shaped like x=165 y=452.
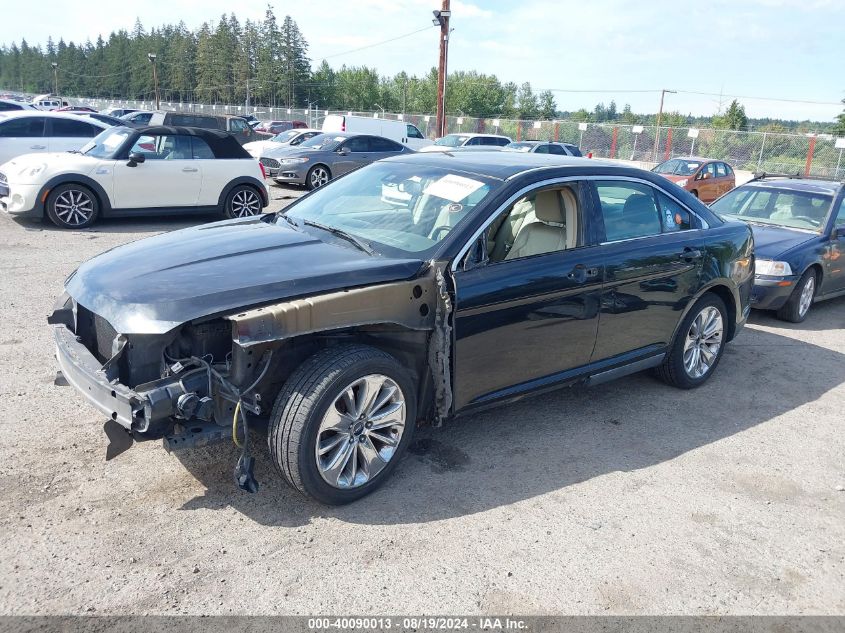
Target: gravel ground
x=630 y=498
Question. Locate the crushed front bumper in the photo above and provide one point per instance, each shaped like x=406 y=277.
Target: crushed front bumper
x=147 y=411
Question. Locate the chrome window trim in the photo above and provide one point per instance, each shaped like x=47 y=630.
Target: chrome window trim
x=564 y=179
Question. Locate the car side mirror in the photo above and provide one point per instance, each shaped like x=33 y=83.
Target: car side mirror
x=343 y=151
x=838 y=232
x=135 y=158
x=477 y=255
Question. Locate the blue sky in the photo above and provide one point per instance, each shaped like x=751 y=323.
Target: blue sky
x=787 y=49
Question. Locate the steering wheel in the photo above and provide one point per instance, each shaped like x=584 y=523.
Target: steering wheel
x=437 y=230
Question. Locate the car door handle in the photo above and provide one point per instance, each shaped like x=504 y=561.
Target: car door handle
x=581 y=273
x=189 y=169
x=37 y=147
x=690 y=254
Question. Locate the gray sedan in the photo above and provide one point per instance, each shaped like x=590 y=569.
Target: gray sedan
x=327 y=156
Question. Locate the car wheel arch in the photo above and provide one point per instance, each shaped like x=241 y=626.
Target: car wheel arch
x=408 y=346
x=244 y=180
x=721 y=289
x=74 y=179
x=817 y=269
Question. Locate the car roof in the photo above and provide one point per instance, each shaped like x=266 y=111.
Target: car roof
x=504 y=165
x=539 y=142
x=809 y=185
x=46 y=113
x=223 y=144
x=699 y=159
x=23 y=104
x=475 y=134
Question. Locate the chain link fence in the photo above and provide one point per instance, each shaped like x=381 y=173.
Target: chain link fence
x=774 y=152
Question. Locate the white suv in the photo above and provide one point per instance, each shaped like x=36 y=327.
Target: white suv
x=451 y=141
x=136 y=171
x=30 y=131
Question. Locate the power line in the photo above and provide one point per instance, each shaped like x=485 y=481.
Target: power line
x=122 y=72
x=361 y=48
x=714 y=94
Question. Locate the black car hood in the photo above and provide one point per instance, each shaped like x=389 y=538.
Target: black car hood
x=155 y=284
x=771 y=241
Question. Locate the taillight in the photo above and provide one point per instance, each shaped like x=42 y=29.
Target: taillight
x=263 y=173
x=343 y=125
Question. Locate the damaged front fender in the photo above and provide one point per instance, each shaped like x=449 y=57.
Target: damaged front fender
x=420 y=304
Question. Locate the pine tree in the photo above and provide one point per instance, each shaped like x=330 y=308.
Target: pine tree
x=839 y=129
x=733 y=119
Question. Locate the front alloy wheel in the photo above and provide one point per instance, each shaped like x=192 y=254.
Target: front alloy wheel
x=360 y=431
x=72 y=206
x=318 y=176
x=342 y=422
x=796 y=308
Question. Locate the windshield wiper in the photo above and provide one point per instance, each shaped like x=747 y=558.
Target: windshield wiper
x=361 y=244
x=288 y=220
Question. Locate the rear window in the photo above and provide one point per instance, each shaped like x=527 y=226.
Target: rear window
x=24 y=127
x=192 y=120
x=73 y=129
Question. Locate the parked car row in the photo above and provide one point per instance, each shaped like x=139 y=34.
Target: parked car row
x=799 y=228
x=407 y=291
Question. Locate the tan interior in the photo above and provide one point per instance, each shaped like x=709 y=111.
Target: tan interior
x=538 y=224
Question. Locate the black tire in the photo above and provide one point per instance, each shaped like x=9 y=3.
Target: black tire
x=315 y=177
x=673 y=370
x=243 y=201
x=305 y=399
x=72 y=206
x=793 y=310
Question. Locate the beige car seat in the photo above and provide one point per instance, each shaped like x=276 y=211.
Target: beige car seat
x=546 y=233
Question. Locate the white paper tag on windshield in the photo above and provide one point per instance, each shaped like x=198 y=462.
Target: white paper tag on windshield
x=454 y=188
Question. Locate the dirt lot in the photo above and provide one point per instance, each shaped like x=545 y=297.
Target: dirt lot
x=628 y=498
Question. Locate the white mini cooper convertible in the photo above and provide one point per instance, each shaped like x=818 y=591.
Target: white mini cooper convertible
x=136 y=171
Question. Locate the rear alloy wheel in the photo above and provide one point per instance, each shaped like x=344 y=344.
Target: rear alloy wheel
x=318 y=176
x=72 y=206
x=698 y=345
x=796 y=308
x=242 y=202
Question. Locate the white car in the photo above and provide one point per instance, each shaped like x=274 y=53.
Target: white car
x=30 y=131
x=451 y=141
x=7 y=105
x=136 y=171
x=48 y=102
x=291 y=138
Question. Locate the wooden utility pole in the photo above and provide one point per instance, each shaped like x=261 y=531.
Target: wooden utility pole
x=659 y=117
x=152 y=58
x=442 y=17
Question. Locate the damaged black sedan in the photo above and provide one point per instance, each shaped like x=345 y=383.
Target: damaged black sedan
x=406 y=292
